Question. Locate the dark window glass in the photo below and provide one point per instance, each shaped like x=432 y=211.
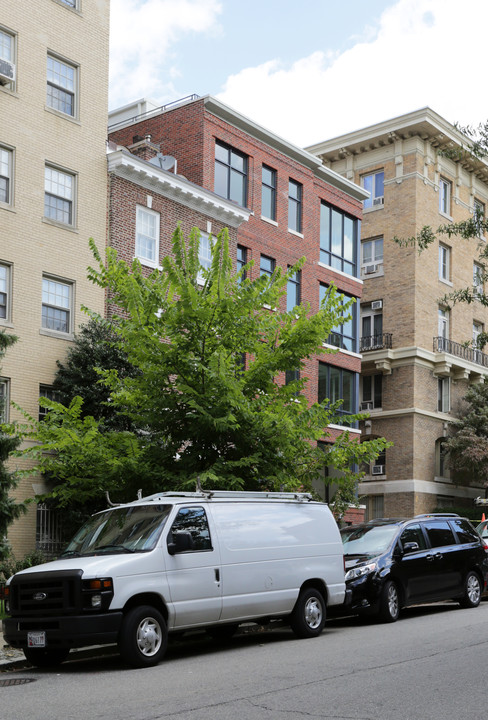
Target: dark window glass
x=343 y=336
x=413 y=533
x=439 y=533
x=294 y=206
x=293 y=291
x=268 y=193
x=230 y=174
x=338 y=240
x=337 y=384
x=267 y=265
x=48 y=392
x=241 y=259
x=465 y=531
x=194 y=521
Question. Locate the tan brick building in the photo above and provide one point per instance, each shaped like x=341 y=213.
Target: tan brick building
x=53 y=178
x=418 y=357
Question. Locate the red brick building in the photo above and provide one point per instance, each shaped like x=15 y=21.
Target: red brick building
x=200 y=163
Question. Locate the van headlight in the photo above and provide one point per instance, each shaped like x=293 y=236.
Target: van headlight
x=360 y=571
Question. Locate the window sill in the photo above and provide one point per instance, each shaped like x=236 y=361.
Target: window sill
x=56 y=334
x=339 y=272
x=446 y=282
x=147 y=263
x=297 y=234
x=63 y=115
x=6 y=323
x=373 y=209
x=445 y=215
x=268 y=220
x=342 y=350
x=8 y=207
x=8 y=91
x=62 y=226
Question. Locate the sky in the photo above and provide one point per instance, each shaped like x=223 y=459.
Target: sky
x=309 y=70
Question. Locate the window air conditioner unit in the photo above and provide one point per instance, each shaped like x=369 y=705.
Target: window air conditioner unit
x=370 y=269
x=366 y=405
x=378 y=470
x=379 y=201
x=7 y=71
x=376 y=305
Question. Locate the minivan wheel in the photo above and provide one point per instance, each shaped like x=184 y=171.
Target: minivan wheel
x=308 y=616
x=472 y=591
x=143 y=637
x=389 y=603
x=46 y=657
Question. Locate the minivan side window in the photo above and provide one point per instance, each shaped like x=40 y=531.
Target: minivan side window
x=193 y=520
x=465 y=531
x=439 y=533
x=413 y=533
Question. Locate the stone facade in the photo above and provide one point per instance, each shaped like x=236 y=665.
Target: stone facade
x=52 y=122
x=418 y=358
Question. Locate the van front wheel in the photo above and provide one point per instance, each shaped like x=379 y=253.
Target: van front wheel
x=308 y=616
x=143 y=637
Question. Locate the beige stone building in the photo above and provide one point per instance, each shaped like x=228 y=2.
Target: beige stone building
x=418 y=355
x=53 y=178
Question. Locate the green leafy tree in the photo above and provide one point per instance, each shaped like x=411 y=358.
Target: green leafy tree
x=199 y=411
x=468 y=447
x=10 y=509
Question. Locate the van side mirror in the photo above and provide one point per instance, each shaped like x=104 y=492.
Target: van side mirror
x=182 y=541
x=410 y=547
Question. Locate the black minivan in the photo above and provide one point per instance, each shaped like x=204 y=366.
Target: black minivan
x=392 y=563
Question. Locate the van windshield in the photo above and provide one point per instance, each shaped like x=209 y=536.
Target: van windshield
x=121 y=530
x=369 y=540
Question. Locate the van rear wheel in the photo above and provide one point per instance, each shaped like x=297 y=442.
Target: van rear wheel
x=308 y=616
x=472 y=591
x=143 y=637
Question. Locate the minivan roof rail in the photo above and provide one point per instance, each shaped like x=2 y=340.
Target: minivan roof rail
x=435 y=515
x=232 y=494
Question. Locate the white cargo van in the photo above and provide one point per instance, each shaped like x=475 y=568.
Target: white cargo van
x=175 y=561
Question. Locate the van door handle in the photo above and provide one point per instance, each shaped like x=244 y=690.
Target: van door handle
x=430 y=558
x=438 y=556
x=217 y=575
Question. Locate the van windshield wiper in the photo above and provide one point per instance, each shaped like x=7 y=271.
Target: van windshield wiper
x=121 y=548
x=70 y=553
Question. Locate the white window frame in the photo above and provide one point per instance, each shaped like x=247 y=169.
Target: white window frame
x=478 y=286
x=479 y=210
x=53 y=298
x=147 y=236
x=5 y=397
x=374 y=202
x=444 y=263
x=10 y=56
x=443 y=323
x=204 y=255
x=7 y=171
x=61 y=84
x=375 y=259
x=445 y=196
x=6 y=290
x=60 y=185
x=443 y=394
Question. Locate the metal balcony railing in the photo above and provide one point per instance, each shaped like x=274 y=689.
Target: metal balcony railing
x=375 y=342
x=471 y=354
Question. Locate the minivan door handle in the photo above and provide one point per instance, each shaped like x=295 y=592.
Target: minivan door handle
x=217 y=575
x=430 y=558
x=438 y=556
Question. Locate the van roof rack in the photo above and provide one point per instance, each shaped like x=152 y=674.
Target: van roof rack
x=232 y=494
x=437 y=515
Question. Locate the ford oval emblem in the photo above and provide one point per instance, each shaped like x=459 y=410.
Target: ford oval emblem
x=39 y=596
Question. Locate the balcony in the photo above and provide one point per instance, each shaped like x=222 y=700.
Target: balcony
x=443 y=345
x=378 y=341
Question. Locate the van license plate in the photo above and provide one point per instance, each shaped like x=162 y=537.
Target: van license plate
x=36 y=639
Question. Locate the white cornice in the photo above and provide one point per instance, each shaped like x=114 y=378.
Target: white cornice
x=175 y=187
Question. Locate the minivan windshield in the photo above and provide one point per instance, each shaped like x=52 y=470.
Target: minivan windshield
x=121 y=530
x=370 y=540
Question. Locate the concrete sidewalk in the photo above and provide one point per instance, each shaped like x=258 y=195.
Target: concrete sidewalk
x=9 y=656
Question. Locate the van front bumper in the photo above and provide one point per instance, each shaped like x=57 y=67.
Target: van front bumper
x=67 y=631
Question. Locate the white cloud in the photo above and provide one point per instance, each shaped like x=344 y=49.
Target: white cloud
x=142 y=33
x=424 y=52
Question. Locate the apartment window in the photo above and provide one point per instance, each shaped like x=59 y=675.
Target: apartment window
x=293 y=291
x=371 y=392
x=442 y=463
x=338 y=239
x=337 y=384
x=4 y=292
x=292 y=376
x=478 y=285
x=70 y=3
x=371 y=256
x=478 y=329
x=444 y=262
x=443 y=323
x=295 y=192
x=230 y=174
x=344 y=336
x=479 y=216
x=7 y=52
x=57 y=301
x=268 y=193
x=6 y=174
x=374 y=184
x=445 y=196
x=375 y=507
x=147 y=236
x=61 y=86
x=371 y=326
x=241 y=259
x=48 y=392
x=204 y=255
x=4 y=400
x=267 y=266
x=443 y=394
x=59 y=192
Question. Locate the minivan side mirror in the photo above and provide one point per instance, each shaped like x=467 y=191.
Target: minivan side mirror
x=410 y=547
x=182 y=541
